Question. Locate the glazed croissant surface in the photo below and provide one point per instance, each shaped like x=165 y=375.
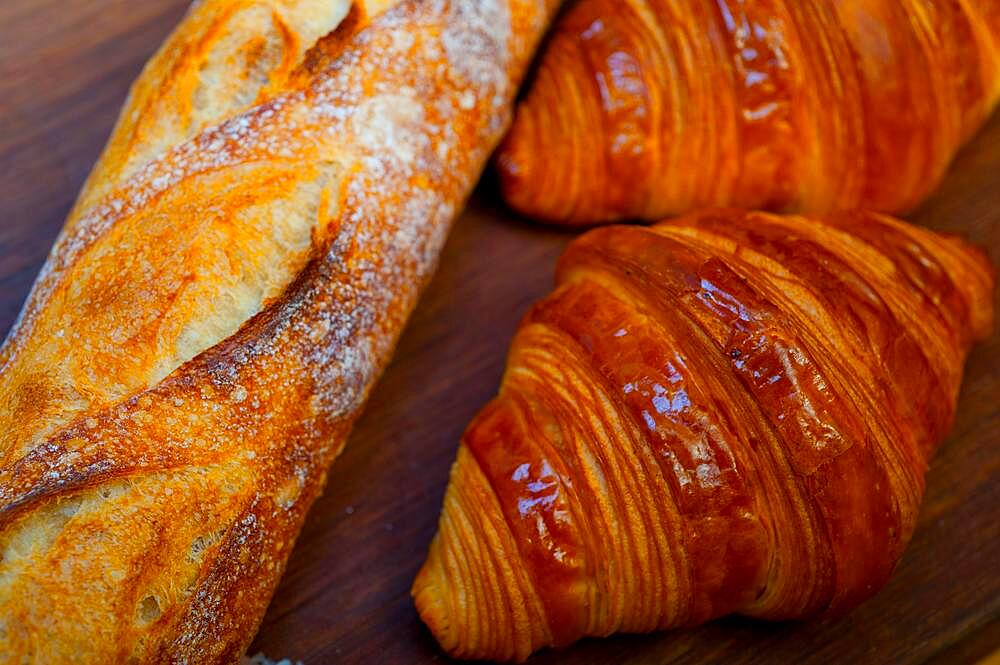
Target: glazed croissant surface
x=728 y=412
x=646 y=108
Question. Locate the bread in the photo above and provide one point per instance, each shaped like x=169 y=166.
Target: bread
x=209 y=323
x=642 y=109
x=726 y=413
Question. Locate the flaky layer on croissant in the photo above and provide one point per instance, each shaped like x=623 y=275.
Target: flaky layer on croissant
x=729 y=412
x=646 y=108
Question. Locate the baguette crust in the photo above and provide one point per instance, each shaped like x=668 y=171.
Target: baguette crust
x=183 y=373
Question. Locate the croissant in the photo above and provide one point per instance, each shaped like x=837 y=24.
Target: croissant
x=642 y=109
x=224 y=295
x=730 y=412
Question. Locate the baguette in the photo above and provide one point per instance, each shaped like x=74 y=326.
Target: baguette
x=210 y=321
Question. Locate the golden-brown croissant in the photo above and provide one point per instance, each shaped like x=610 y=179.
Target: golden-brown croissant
x=729 y=412
x=213 y=316
x=646 y=108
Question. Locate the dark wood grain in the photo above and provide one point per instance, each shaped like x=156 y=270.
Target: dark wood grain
x=64 y=71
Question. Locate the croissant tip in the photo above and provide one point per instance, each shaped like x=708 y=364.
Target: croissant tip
x=510 y=167
x=430 y=603
x=518 y=172
x=472 y=592
x=515 y=163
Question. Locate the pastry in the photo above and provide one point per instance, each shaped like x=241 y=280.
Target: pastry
x=642 y=109
x=730 y=412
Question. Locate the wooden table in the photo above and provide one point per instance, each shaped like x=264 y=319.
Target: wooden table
x=64 y=71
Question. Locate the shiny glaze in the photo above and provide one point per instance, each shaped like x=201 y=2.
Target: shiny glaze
x=646 y=108
x=761 y=48
x=727 y=412
x=533 y=485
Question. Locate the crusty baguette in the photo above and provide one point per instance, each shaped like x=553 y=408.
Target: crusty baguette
x=212 y=318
